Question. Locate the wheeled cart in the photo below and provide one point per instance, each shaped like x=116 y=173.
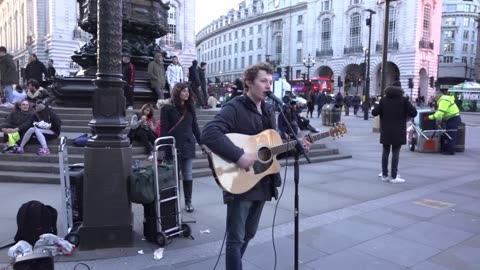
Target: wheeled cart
x=71 y=195
x=424 y=134
x=163 y=218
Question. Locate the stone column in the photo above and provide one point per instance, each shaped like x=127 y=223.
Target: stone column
x=107 y=217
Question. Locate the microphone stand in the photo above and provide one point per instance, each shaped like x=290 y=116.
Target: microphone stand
x=299 y=150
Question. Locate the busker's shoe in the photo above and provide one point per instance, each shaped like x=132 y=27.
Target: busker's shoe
x=397 y=180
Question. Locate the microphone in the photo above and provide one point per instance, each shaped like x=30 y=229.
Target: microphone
x=274 y=98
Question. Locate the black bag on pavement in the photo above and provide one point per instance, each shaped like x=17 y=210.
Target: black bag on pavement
x=34 y=219
x=141 y=188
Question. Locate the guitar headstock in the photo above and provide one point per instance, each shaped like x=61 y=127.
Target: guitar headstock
x=338 y=130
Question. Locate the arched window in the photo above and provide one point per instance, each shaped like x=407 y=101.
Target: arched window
x=392 y=26
x=355 y=37
x=427 y=13
x=278 y=47
x=326 y=34
x=170 y=38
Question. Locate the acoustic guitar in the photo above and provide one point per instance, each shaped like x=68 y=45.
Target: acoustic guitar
x=266 y=146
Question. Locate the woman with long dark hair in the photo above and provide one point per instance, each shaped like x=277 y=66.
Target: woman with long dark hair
x=142 y=128
x=180 y=121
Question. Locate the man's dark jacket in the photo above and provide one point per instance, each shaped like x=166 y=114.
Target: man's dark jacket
x=394 y=110
x=240 y=115
x=34 y=70
x=8 y=70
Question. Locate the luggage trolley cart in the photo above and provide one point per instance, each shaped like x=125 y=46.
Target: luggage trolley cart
x=71 y=225
x=168 y=215
x=426 y=135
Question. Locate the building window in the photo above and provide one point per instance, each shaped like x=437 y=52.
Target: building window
x=259 y=58
x=450 y=21
x=326 y=5
x=250 y=44
x=355 y=2
x=449 y=47
x=250 y=60
x=229 y=36
x=259 y=29
x=465 y=35
x=250 y=30
x=326 y=34
x=242 y=49
x=242 y=63
x=447 y=59
x=243 y=32
x=229 y=64
x=466 y=21
x=235 y=49
x=299 y=55
x=464 y=59
x=236 y=34
x=392 y=25
x=449 y=34
x=172 y=27
x=300 y=19
x=230 y=49
x=355 y=31
x=278 y=46
x=224 y=50
x=298 y=73
x=259 y=43
x=427 y=13
x=465 y=47
x=299 y=36
x=235 y=63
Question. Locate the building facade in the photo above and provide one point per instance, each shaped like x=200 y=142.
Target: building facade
x=332 y=32
x=180 y=40
x=459 y=42
x=47 y=28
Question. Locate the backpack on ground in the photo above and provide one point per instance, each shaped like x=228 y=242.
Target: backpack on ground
x=34 y=219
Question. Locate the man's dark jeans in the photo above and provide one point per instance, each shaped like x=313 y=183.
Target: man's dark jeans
x=242 y=223
x=395 y=157
x=451 y=125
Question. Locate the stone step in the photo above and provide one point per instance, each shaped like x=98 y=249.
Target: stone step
x=53 y=178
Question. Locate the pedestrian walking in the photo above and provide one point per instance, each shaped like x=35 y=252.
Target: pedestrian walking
x=194 y=79
x=8 y=75
x=179 y=120
x=356 y=100
x=174 y=73
x=128 y=74
x=203 y=82
x=347 y=100
x=321 y=100
x=394 y=110
x=156 y=71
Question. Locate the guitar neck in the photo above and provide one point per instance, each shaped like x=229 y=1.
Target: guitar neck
x=289 y=145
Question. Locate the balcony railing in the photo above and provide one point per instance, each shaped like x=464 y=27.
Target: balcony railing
x=392 y=46
x=325 y=52
x=352 y=50
x=425 y=44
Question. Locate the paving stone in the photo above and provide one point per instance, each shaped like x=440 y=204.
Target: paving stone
x=472 y=208
x=353 y=259
x=449 y=197
x=427 y=265
x=360 y=190
x=359 y=229
x=460 y=221
x=470 y=189
x=433 y=235
x=402 y=252
x=386 y=217
x=263 y=256
x=326 y=240
x=463 y=256
x=208 y=264
x=411 y=208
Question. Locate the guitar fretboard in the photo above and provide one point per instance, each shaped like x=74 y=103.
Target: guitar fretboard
x=289 y=145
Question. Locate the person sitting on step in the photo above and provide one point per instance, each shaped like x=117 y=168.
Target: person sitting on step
x=17 y=123
x=46 y=126
x=142 y=128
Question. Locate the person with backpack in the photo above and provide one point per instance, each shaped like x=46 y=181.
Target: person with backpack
x=46 y=126
x=142 y=128
x=180 y=121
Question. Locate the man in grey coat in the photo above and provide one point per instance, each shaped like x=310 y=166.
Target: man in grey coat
x=8 y=74
x=156 y=71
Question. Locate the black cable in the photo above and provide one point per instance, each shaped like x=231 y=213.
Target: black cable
x=82 y=264
x=221 y=248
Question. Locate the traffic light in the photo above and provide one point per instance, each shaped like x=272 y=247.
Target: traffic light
x=410 y=83
x=431 y=81
x=339 y=82
x=279 y=71
x=287 y=73
x=304 y=76
x=359 y=81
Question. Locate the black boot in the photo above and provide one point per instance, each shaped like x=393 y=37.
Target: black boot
x=187 y=192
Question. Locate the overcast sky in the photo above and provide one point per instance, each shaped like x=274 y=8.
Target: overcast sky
x=209 y=10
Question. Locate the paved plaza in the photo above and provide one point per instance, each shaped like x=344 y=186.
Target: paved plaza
x=349 y=219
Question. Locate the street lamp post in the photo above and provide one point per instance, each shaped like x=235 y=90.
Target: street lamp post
x=367 y=79
x=107 y=216
x=308 y=62
x=438 y=72
x=385 y=44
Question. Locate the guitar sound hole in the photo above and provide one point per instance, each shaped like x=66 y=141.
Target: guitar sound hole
x=264 y=154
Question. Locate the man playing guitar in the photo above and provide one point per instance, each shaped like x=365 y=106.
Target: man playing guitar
x=249 y=115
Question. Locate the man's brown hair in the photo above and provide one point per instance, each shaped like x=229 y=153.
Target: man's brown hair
x=251 y=73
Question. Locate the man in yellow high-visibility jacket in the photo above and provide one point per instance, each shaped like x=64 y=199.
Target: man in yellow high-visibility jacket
x=449 y=113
